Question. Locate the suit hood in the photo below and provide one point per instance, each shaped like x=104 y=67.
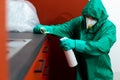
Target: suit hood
x=95 y=9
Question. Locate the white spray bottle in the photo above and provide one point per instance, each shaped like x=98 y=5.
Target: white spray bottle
x=70 y=56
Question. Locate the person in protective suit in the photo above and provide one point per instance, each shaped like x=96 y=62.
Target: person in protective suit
x=91 y=36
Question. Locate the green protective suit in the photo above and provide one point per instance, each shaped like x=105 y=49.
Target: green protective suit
x=92 y=45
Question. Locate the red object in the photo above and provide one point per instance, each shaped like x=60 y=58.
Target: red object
x=58 y=11
x=3 y=52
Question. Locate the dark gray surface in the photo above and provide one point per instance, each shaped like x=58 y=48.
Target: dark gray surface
x=21 y=62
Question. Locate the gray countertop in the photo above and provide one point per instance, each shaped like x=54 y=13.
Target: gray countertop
x=20 y=63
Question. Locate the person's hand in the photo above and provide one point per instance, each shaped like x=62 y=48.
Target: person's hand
x=67 y=43
x=44 y=29
x=36 y=29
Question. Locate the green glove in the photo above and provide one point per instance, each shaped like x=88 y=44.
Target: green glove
x=67 y=43
x=36 y=29
x=44 y=29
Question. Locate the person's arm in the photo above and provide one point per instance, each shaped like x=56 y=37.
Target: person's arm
x=61 y=30
x=101 y=46
x=95 y=48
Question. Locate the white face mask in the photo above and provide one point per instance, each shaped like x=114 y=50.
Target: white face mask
x=90 y=22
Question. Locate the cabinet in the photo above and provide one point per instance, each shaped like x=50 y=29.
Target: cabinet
x=49 y=12
x=55 y=12
x=40 y=67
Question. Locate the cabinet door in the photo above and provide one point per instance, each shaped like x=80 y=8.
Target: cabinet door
x=40 y=67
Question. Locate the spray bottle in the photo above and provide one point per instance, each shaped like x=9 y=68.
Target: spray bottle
x=70 y=56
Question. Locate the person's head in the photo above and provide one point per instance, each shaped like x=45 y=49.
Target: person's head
x=90 y=21
x=94 y=12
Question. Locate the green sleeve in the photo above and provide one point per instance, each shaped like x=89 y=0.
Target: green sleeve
x=100 y=46
x=66 y=29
